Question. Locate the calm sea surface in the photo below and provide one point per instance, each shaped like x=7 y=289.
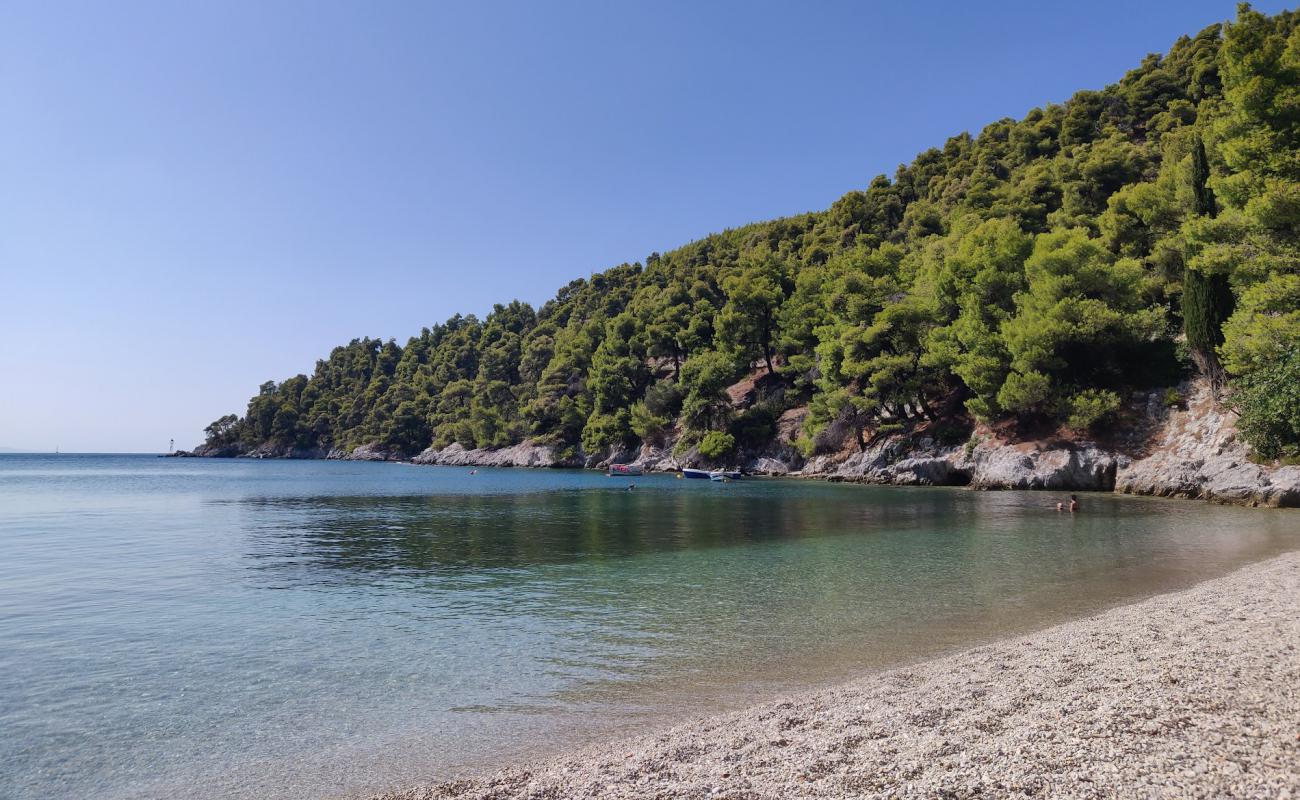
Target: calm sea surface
x=307 y=629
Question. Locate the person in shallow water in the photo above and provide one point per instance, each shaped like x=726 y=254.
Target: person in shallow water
x=1074 y=504
x=1060 y=506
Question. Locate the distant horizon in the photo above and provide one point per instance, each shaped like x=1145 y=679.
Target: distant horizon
x=203 y=198
x=13 y=451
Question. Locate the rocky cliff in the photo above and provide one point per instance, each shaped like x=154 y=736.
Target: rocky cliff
x=1196 y=452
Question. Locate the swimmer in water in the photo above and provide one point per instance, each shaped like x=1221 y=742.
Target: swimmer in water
x=1074 y=504
x=1060 y=507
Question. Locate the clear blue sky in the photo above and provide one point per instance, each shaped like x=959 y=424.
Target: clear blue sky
x=198 y=197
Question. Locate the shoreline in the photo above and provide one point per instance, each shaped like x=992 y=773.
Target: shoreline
x=1189 y=693
x=1248 y=491
x=1192 y=452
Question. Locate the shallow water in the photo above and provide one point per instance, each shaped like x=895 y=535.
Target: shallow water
x=308 y=629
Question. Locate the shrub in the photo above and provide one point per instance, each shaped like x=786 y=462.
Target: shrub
x=1173 y=398
x=754 y=427
x=1024 y=391
x=646 y=424
x=685 y=442
x=1092 y=406
x=664 y=399
x=606 y=430
x=1268 y=399
x=705 y=378
x=716 y=444
x=951 y=434
x=807 y=445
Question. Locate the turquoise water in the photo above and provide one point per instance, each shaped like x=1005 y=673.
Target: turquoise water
x=307 y=629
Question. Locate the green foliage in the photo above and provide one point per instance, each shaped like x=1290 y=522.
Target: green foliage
x=748 y=324
x=1268 y=400
x=224 y=432
x=1081 y=309
x=951 y=434
x=1026 y=392
x=705 y=378
x=1043 y=267
x=664 y=398
x=1207 y=297
x=1267 y=322
x=1090 y=407
x=605 y=430
x=755 y=427
x=647 y=425
x=1258 y=246
x=716 y=444
x=1207 y=304
x=976 y=280
x=617 y=375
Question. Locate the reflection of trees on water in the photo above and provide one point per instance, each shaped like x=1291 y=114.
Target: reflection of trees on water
x=455 y=534
x=599 y=587
x=964 y=537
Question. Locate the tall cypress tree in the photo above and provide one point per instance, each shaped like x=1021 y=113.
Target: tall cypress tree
x=1207 y=299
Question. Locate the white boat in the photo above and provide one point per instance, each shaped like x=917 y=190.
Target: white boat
x=727 y=474
x=624 y=469
x=697 y=474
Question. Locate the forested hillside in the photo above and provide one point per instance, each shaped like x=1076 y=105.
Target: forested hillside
x=1039 y=271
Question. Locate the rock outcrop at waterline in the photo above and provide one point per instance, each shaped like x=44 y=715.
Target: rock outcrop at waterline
x=1197 y=452
x=1192 y=451
x=525 y=454
x=991 y=463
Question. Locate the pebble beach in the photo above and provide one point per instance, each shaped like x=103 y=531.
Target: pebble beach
x=1189 y=694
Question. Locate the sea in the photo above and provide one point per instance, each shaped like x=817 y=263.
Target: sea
x=318 y=629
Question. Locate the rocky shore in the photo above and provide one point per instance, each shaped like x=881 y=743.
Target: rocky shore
x=1191 y=449
x=1192 y=694
x=1188 y=450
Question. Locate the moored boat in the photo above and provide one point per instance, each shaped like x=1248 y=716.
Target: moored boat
x=697 y=474
x=625 y=469
x=731 y=475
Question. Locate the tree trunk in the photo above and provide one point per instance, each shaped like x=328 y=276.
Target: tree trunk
x=925 y=409
x=1207 y=304
x=767 y=343
x=1207 y=363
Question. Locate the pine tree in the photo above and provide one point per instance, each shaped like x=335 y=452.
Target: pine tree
x=1207 y=299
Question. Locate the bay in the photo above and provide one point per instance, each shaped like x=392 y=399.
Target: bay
x=306 y=629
